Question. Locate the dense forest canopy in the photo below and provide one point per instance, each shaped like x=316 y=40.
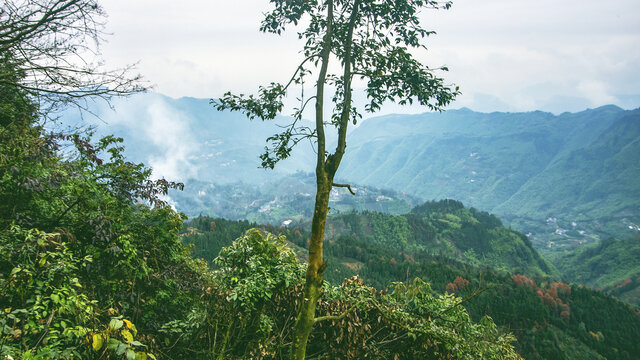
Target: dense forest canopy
x=550 y=319
x=92 y=264
x=95 y=264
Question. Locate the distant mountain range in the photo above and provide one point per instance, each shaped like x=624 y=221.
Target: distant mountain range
x=564 y=179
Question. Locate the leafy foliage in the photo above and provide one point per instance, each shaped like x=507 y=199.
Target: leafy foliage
x=255 y=298
x=611 y=265
x=551 y=320
x=83 y=239
x=255 y=267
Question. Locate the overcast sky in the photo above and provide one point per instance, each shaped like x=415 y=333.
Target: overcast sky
x=506 y=55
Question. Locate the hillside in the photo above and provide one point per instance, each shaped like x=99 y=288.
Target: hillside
x=611 y=265
x=444 y=228
x=566 y=179
x=551 y=320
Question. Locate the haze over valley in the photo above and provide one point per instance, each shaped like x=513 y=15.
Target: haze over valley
x=331 y=179
x=565 y=180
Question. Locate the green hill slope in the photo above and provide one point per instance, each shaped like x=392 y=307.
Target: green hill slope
x=444 y=228
x=551 y=320
x=611 y=265
x=578 y=170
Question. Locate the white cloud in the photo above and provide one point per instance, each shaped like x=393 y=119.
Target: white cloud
x=164 y=139
x=169 y=131
x=596 y=92
x=507 y=50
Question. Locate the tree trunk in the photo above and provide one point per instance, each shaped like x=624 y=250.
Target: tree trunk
x=325 y=171
x=313 y=281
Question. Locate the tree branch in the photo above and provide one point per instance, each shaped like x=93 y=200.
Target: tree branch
x=46 y=329
x=326 y=52
x=346 y=105
x=338 y=317
x=345 y=186
x=462 y=301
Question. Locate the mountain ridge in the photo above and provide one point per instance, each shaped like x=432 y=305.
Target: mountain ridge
x=500 y=162
x=491 y=161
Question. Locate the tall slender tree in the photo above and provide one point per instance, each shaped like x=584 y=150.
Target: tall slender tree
x=370 y=40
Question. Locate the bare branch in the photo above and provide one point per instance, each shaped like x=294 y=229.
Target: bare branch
x=345 y=186
x=341 y=316
x=52 y=48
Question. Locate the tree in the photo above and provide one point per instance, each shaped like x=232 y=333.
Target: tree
x=51 y=48
x=371 y=40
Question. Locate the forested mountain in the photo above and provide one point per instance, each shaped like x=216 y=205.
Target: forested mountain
x=611 y=265
x=97 y=262
x=551 y=320
x=444 y=228
x=567 y=179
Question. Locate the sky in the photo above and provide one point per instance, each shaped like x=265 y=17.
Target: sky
x=506 y=55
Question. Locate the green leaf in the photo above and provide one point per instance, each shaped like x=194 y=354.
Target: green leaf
x=97 y=342
x=115 y=324
x=121 y=348
x=131 y=355
x=112 y=344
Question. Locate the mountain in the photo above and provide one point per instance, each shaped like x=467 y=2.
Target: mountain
x=551 y=320
x=445 y=228
x=610 y=265
x=566 y=179
x=187 y=138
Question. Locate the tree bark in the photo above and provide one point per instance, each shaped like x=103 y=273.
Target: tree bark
x=313 y=278
x=325 y=171
x=313 y=281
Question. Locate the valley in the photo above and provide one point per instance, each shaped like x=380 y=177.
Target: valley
x=513 y=284
x=564 y=183
x=174 y=186
x=564 y=180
